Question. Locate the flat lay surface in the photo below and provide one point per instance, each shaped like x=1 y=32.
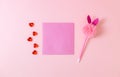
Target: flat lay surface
x=17 y=40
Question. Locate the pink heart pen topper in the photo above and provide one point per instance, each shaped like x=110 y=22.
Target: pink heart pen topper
x=89 y=30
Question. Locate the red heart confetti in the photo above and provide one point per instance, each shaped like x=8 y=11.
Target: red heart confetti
x=34 y=52
x=30 y=39
x=31 y=24
x=35 y=45
x=35 y=33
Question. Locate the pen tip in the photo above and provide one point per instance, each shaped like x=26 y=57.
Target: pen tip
x=78 y=60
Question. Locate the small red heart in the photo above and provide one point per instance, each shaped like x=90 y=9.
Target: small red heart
x=34 y=52
x=30 y=39
x=35 y=45
x=31 y=24
x=35 y=33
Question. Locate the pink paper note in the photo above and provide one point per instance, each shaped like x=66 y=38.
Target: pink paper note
x=58 y=38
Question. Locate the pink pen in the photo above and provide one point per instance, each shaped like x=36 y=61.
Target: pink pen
x=89 y=30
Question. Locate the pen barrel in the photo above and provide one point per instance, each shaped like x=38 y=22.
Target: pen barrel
x=83 y=47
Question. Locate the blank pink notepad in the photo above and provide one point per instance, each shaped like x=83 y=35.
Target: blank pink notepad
x=58 y=38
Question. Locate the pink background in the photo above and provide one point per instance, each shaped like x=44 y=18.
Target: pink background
x=102 y=56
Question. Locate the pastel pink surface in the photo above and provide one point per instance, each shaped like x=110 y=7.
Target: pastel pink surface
x=101 y=58
x=58 y=38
